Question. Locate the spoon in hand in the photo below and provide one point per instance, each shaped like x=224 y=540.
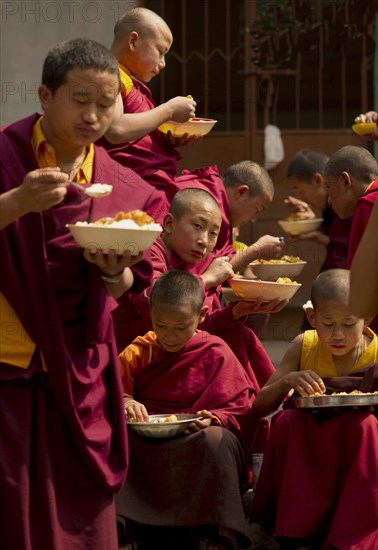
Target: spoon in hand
x=95 y=190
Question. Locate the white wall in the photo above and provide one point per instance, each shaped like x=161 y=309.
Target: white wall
x=30 y=28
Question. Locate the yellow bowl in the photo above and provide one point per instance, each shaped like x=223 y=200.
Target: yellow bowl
x=364 y=128
x=251 y=290
x=192 y=127
x=295 y=227
x=271 y=272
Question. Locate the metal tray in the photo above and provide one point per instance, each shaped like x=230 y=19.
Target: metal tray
x=163 y=429
x=348 y=400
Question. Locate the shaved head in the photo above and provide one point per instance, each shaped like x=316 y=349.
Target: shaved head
x=178 y=287
x=251 y=174
x=331 y=285
x=182 y=201
x=356 y=161
x=141 y=20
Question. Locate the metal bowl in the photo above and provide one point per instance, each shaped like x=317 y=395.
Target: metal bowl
x=163 y=429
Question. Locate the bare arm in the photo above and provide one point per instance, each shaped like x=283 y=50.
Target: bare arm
x=265 y=247
x=129 y=126
x=287 y=377
x=364 y=271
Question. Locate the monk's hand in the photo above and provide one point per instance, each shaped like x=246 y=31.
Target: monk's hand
x=42 y=188
x=135 y=411
x=317 y=236
x=112 y=264
x=180 y=141
x=267 y=247
x=303 y=210
x=218 y=271
x=306 y=382
x=370 y=116
x=242 y=308
x=207 y=418
x=181 y=108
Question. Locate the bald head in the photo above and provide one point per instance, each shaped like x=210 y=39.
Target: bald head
x=331 y=285
x=141 y=20
x=358 y=162
x=251 y=174
x=183 y=201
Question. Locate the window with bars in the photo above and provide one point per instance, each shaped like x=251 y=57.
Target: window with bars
x=311 y=62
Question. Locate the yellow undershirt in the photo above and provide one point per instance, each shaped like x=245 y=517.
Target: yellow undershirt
x=126 y=81
x=16 y=346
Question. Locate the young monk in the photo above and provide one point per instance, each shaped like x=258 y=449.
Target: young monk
x=141 y=41
x=192 y=481
x=305 y=176
x=319 y=478
x=351 y=176
x=63 y=440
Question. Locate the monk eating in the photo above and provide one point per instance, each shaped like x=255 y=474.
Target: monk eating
x=191 y=482
x=319 y=479
x=63 y=439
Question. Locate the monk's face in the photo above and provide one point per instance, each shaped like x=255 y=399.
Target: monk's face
x=339 y=331
x=193 y=236
x=245 y=209
x=81 y=109
x=147 y=53
x=314 y=192
x=174 y=325
x=341 y=194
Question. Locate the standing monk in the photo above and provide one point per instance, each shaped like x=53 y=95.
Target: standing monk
x=63 y=440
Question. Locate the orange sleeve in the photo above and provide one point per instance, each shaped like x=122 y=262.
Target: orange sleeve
x=131 y=359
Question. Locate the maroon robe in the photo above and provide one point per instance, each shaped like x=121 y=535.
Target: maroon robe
x=153 y=158
x=338 y=231
x=63 y=441
x=320 y=473
x=360 y=220
x=204 y=374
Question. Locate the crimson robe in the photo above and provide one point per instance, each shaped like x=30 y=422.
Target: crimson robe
x=338 y=231
x=153 y=158
x=170 y=490
x=63 y=441
x=361 y=217
x=320 y=472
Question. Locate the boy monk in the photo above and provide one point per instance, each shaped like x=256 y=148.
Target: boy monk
x=305 y=175
x=319 y=478
x=141 y=41
x=63 y=440
x=351 y=176
x=193 y=481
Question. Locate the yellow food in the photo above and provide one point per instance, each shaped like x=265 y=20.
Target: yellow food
x=138 y=216
x=170 y=418
x=286 y=281
x=283 y=260
x=298 y=216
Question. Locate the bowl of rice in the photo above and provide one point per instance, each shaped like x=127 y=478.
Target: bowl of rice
x=135 y=231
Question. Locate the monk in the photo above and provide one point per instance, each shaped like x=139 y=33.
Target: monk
x=63 y=440
x=305 y=175
x=193 y=481
x=351 y=176
x=319 y=479
x=142 y=39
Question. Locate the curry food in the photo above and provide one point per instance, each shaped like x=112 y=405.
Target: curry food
x=283 y=260
x=300 y=216
x=135 y=219
x=170 y=418
x=286 y=281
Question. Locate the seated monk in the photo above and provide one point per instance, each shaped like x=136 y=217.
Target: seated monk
x=190 y=232
x=193 y=481
x=319 y=479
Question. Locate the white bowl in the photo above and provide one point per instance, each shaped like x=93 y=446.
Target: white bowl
x=192 y=127
x=106 y=237
x=251 y=289
x=271 y=272
x=296 y=227
x=163 y=429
